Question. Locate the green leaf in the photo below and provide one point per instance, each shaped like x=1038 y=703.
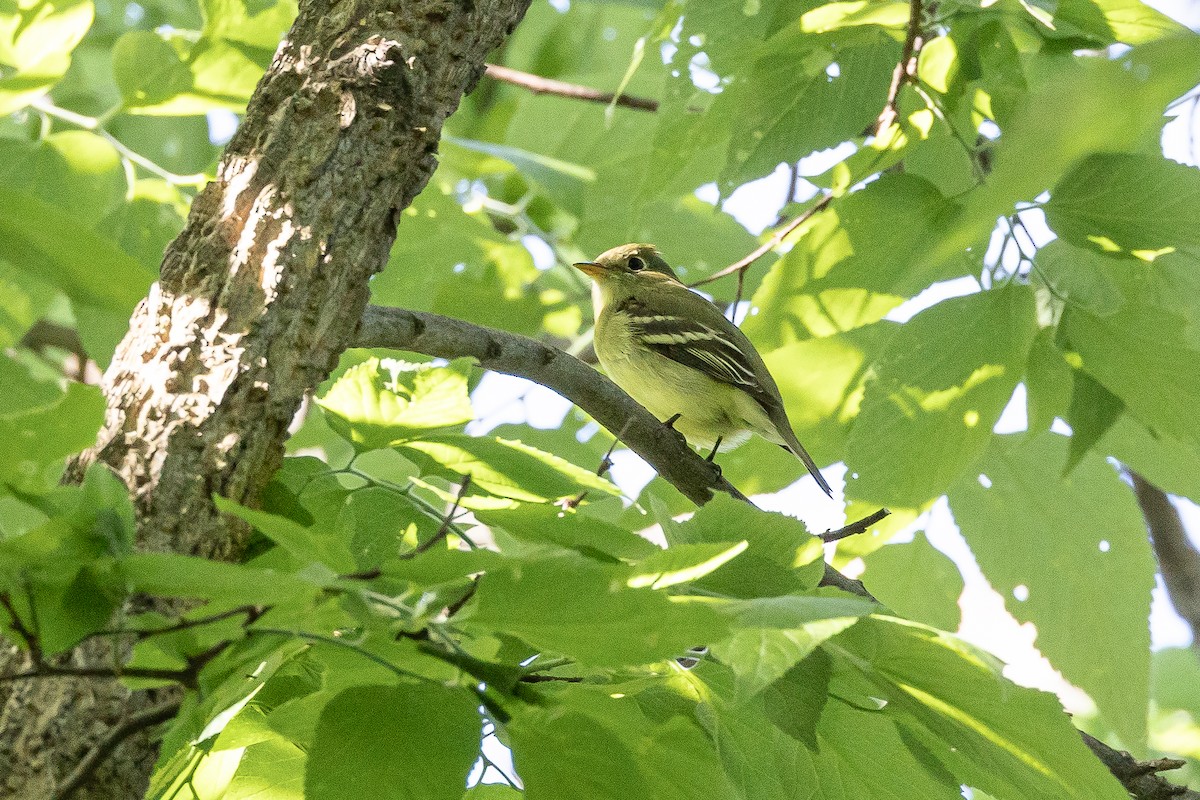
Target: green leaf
x=1083 y=277
x=590 y=744
x=1093 y=411
x=561 y=178
x=383 y=742
x=1175 y=672
x=1127 y=21
x=505 y=468
x=682 y=563
x=795 y=701
x=832 y=16
x=760 y=760
x=40 y=437
x=379 y=402
x=273 y=768
x=35 y=47
x=772 y=634
x=604 y=624
x=53 y=246
x=899 y=768
x=566 y=528
x=1012 y=742
x=306 y=545
x=148 y=70
x=822 y=385
x=917 y=581
x=1075 y=107
x=1166 y=462
x=1127 y=202
x=938 y=390
x=1072 y=542
x=24 y=300
x=78 y=172
x=176 y=575
x=1136 y=351
x=792 y=104
x=851 y=265
x=782 y=556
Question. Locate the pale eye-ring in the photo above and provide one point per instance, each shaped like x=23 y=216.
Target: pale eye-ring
x=636 y=264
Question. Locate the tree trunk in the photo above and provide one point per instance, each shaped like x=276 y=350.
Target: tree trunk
x=258 y=297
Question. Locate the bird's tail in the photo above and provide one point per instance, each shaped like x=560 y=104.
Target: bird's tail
x=790 y=442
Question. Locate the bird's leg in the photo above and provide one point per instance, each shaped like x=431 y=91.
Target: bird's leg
x=716 y=447
x=670 y=422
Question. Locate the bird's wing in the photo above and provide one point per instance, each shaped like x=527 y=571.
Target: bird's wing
x=701 y=346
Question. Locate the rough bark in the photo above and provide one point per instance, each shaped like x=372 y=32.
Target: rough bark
x=258 y=297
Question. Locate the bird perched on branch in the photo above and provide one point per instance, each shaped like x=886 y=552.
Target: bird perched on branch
x=675 y=353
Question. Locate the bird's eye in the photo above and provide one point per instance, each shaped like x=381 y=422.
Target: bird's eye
x=637 y=264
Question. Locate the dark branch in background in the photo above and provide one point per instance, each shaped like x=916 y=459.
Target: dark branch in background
x=906 y=67
x=1178 y=559
x=1140 y=778
x=447 y=523
x=539 y=85
x=855 y=527
x=144 y=719
x=663 y=448
x=743 y=264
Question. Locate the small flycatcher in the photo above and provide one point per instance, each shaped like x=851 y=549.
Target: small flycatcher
x=675 y=353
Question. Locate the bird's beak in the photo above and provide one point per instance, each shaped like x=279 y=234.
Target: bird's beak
x=590 y=268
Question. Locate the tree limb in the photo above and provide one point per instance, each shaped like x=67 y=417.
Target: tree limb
x=1140 y=778
x=1178 y=559
x=539 y=85
x=499 y=351
x=140 y=721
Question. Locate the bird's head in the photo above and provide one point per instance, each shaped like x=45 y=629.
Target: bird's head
x=617 y=271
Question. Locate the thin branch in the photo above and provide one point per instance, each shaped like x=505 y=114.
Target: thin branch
x=743 y=264
x=605 y=465
x=906 y=67
x=104 y=748
x=663 y=448
x=1178 y=559
x=790 y=196
x=445 y=527
x=1140 y=778
x=855 y=527
x=539 y=85
x=252 y=613
x=182 y=676
x=18 y=626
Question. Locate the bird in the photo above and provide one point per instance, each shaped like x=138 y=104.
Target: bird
x=675 y=353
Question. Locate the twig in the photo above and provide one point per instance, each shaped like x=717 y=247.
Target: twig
x=793 y=182
x=855 y=527
x=1140 y=778
x=742 y=264
x=18 y=626
x=182 y=676
x=539 y=85
x=605 y=465
x=906 y=67
x=447 y=523
x=104 y=748
x=252 y=613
